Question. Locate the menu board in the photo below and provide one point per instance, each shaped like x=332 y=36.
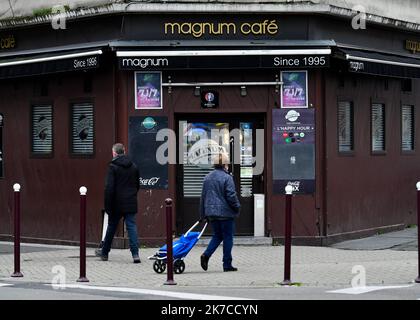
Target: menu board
x=294 y=150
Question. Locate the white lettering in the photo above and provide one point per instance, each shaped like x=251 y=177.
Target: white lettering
x=286 y=62
x=149 y=182
x=145 y=62
x=357 y=66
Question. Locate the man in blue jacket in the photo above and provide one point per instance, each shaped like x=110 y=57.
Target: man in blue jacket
x=219 y=204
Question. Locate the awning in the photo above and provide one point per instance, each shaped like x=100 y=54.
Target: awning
x=376 y=63
x=182 y=58
x=44 y=63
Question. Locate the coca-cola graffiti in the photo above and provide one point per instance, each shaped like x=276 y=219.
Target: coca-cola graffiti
x=149 y=181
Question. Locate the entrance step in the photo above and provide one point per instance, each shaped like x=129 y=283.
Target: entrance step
x=241 y=241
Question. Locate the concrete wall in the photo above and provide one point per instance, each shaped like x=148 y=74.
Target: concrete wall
x=408 y=11
x=18 y=8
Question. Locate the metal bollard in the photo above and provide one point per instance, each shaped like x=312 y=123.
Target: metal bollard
x=82 y=278
x=169 y=248
x=418 y=230
x=288 y=237
x=17 y=273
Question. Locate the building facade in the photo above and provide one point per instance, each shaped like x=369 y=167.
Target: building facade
x=296 y=98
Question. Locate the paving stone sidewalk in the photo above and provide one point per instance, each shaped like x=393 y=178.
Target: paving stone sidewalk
x=259 y=266
x=404 y=240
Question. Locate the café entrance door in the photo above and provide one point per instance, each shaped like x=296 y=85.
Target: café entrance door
x=202 y=137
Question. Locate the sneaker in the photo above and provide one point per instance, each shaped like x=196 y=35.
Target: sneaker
x=230 y=269
x=204 y=262
x=98 y=253
x=136 y=258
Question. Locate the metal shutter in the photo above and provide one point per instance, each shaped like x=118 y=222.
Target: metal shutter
x=378 y=127
x=42 y=129
x=407 y=128
x=345 y=126
x=82 y=129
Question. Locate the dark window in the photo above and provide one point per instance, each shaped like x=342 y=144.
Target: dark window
x=42 y=129
x=407 y=128
x=345 y=126
x=82 y=128
x=378 y=127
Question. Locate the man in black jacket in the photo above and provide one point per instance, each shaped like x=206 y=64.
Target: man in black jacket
x=121 y=187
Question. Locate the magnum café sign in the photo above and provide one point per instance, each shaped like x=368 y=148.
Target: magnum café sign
x=7 y=42
x=199 y=29
x=413 y=46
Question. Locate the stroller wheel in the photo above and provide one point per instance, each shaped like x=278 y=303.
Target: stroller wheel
x=179 y=266
x=159 y=266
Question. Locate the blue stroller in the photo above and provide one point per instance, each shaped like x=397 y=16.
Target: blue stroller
x=180 y=247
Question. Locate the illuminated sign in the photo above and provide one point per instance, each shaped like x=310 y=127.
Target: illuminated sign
x=7 y=42
x=200 y=29
x=413 y=46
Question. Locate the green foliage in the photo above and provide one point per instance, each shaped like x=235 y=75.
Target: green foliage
x=42 y=12
x=47 y=11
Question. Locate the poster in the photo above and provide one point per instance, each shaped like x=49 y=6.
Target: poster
x=294 y=93
x=142 y=151
x=148 y=90
x=294 y=150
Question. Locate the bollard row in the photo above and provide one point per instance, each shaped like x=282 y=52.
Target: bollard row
x=169 y=244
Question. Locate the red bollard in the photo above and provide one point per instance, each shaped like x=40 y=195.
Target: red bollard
x=82 y=278
x=169 y=248
x=17 y=273
x=418 y=230
x=288 y=237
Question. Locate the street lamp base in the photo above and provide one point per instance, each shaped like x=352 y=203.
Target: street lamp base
x=417 y=279
x=170 y=283
x=83 y=279
x=17 y=275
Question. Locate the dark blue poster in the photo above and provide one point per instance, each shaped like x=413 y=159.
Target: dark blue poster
x=142 y=151
x=294 y=150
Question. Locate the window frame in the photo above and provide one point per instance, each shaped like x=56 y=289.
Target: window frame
x=351 y=152
x=72 y=154
x=37 y=155
x=384 y=151
x=413 y=151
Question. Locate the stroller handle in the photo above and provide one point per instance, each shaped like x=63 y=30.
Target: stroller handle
x=192 y=228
